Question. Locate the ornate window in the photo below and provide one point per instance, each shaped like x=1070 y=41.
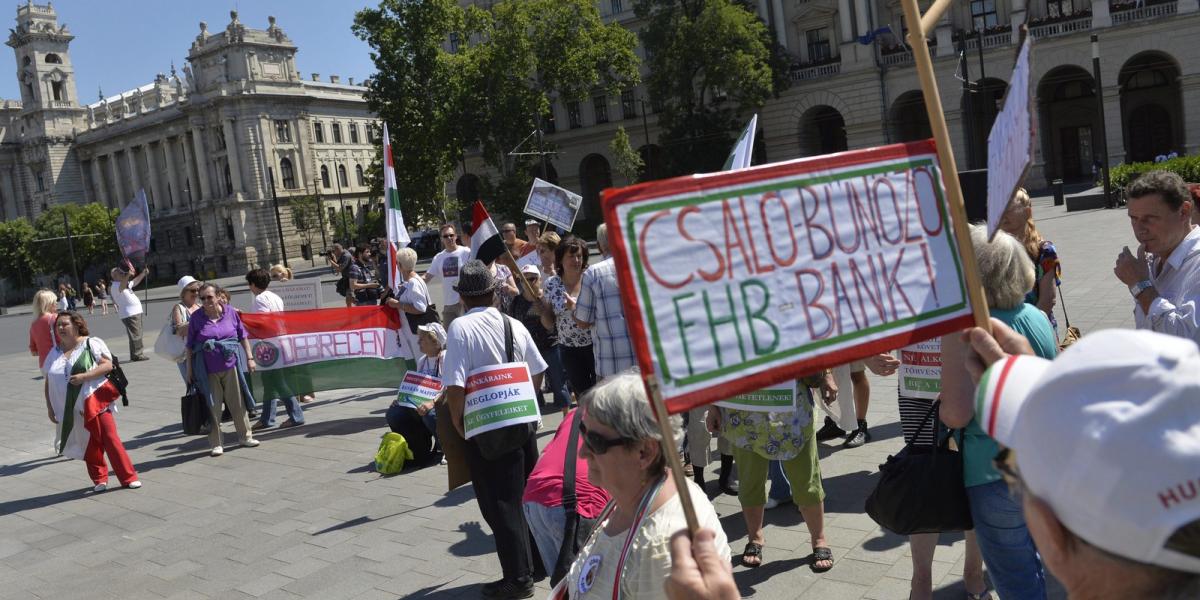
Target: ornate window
x=283 y=132
x=983 y=14
x=337 y=133
x=628 y=105
x=342 y=181
x=319 y=133
x=600 y=108
x=53 y=59
x=287 y=174
x=362 y=178
x=819 y=50
x=573 y=115
x=354 y=133
x=325 y=177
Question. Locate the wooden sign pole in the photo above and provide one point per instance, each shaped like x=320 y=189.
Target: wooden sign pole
x=671 y=449
x=941 y=136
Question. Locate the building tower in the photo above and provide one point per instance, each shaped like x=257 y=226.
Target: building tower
x=50 y=111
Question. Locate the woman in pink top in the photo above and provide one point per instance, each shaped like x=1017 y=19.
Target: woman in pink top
x=544 y=494
x=41 y=331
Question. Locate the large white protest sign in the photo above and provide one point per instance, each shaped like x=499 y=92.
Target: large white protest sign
x=1010 y=144
x=735 y=281
x=553 y=204
x=418 y=388
x=499 y=396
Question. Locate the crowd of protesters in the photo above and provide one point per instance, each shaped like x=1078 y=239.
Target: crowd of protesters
x=1081 y=467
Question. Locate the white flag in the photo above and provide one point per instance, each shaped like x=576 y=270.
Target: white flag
x=743 y=151
x=397 y=233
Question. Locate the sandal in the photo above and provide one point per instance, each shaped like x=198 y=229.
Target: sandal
x=820 y=554
x=752 y=551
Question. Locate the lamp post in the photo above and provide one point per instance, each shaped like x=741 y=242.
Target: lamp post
x=320 y=211
x=197 y=262
x=337 y=176
x=1108 y=199
x=278 y=222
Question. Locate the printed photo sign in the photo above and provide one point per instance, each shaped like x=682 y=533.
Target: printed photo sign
x=775 y=398
x=499 y=396
x=417 y=389
x=552 y=204
x=736 y=281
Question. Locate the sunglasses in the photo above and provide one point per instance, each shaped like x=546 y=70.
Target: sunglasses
x=1006 y=463
x=448 y=236
x=210 y=297
x=598 y=444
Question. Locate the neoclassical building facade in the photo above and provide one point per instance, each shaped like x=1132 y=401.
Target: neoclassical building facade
x=204 y=144
x=855 y=86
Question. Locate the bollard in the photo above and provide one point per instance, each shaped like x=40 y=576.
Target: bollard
x=1056 y=187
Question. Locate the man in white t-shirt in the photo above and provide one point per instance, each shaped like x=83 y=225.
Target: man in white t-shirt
x=129 y=308
x=445 y=268
x=274 y=386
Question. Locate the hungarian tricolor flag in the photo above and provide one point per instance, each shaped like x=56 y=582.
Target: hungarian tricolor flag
x=486 y=243
x=397 y=234
x=303 y=351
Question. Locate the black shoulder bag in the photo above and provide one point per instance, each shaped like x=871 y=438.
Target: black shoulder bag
x=577 y=528
x=116 y=375
x=496 y=443
x=921 y=489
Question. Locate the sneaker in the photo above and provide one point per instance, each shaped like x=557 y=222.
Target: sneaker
x=100 y=487
x=857 y=438
x=830 y=431
x=139 y=358
x=290 y=423
x=216 y=451
x=507 y=590
x=250 y=442
x=259 y=426
x=305 y=399
x=133 y=485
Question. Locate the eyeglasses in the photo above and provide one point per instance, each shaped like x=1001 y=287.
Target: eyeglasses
x=448 y=236
x=210 y=297
x=1006 y=463
x=598 y=444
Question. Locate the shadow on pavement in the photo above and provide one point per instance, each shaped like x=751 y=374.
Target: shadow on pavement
x=477 y=542
x=442 y=593
x=13 y=507
x=457 y=497
x=29 y=465
x=747 y=578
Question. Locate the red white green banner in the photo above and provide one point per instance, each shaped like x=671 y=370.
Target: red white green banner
x=735 y=281
x=397 y=233
x=499 y=396
x=304 y=351
x=418 y=388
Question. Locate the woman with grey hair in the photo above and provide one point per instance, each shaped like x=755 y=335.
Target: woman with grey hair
x=629 y=550
x=1008 y=551
x=414 y=294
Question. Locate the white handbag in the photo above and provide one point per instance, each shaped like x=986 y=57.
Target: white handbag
x=168 y=345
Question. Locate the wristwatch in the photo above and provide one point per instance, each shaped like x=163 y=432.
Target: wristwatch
x=1136 y=289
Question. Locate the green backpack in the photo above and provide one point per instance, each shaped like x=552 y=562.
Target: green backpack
x=392 y=453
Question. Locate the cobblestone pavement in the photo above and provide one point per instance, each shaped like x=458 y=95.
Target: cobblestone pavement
x=304 y=516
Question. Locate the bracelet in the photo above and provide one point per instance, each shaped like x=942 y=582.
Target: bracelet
x=1136 y=289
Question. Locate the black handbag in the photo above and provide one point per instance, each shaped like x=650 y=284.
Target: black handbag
x=193 y=412
x=429 y=316
x=496 y=443
x=116 y=375
x=921 y=489
x=576 y=529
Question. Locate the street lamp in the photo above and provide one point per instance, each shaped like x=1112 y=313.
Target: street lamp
x=320 y=211
x=337 y=176
x=278 y=222
x=1108 y=199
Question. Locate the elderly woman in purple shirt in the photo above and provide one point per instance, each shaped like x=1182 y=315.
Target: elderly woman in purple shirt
x=214 y=336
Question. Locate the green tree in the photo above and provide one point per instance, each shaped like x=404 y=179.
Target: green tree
x=629 y=162
x=373 y=224
x=93 y=231
x=306 y=218
x=19 y=261
x=712 y=62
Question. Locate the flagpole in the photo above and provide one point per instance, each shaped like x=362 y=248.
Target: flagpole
x=671 y=449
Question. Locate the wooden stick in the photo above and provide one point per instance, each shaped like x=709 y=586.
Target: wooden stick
x=930 y=19
x=671 y=449
x=941 y=136
x=518 y=275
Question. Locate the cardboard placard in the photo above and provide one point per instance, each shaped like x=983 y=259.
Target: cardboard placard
x=1010 y=143
x=418 y=388
x=920 y=370
x=736 y=281
x=302 y=294
x=552 y=204
x=499 y=396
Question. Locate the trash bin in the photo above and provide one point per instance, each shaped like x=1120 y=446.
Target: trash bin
x=1056 y=186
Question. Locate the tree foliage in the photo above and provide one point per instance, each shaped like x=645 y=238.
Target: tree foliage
x=18 y=262
x=711 y=63
x=306 y=218
x=93 y=231
x=628 y=162
x=451 y=78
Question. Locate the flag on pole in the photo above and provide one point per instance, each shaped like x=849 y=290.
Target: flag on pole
x=397 y=233
x=133 y=227
x=743 y=150
x=486 y=243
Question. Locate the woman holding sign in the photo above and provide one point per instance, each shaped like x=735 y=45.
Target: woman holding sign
x=412 y=414
x=575 y=344
x=628 y=554
x=776 y=423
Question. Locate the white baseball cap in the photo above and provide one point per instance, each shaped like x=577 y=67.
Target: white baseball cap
x=1108 y=435
x=436 y=330
x=185 y=281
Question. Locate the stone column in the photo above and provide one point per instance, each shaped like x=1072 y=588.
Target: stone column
x=231 y=154
x=268 y=157
x=135 y=178
x=863 y=15
x=1101 y=17
x=781 y=32
x=305 y=171
x=98 y=190
x=118 y=189
x=846 y=21
x=201 y=164
x=944 y=32
x=160 y=198
x=1190 y=90
x=176 y=195
x=1017 y=16
x=1114 y=127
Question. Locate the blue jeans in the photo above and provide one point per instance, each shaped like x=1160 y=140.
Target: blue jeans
x=546 y=524
x=558 y=380
x=1008 y=551
x=290 y=404
x=781 y=488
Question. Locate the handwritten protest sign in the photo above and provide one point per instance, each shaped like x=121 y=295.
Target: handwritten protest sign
x=920 y=370
x=303 y=294
x=499 y=396
x=776 y=398
x=735 y=281
x=553 y=204
x=418 y=388
x=1010 y=143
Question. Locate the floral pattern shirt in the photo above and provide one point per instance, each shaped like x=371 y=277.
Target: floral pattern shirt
x=774 y=436
x=569 y=334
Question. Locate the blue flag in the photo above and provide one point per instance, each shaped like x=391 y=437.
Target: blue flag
x=870 y=36
x=133 y=227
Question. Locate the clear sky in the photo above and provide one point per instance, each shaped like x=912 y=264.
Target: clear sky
x=121 y=44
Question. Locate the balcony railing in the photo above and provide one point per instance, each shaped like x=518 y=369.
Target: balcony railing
x=1070 y=26
x=807 y=72
x=897 y=58
x=1143 y=13
x=990 y=40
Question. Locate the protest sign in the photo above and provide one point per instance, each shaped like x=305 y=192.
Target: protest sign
x=133 y=227
x=920 y=370
x=303 y=294
x=531 y=259
x=499 y=396
x=735 y=281
x=553 y=204
x=1010 y=143
x=776 y=398
x=418 y=388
